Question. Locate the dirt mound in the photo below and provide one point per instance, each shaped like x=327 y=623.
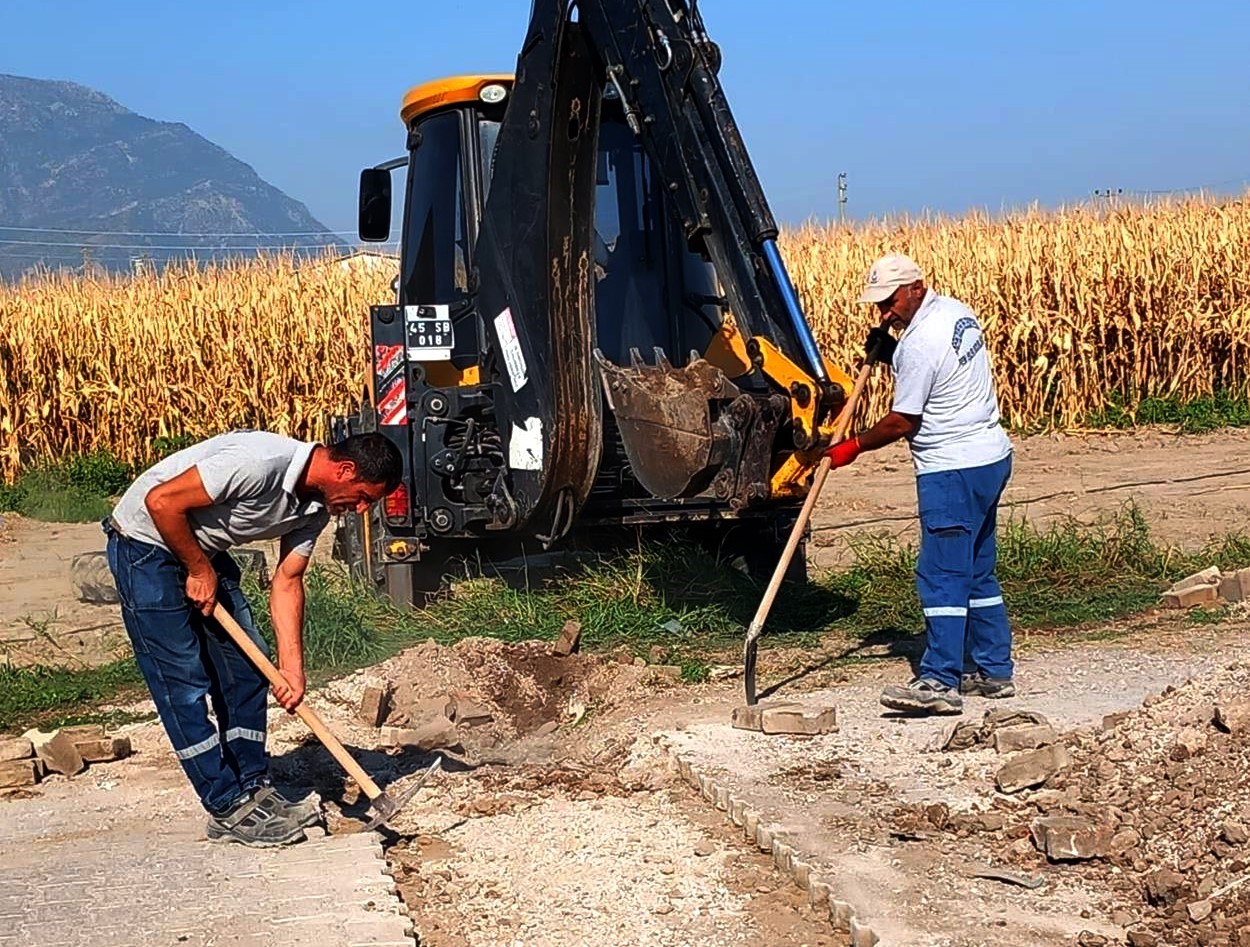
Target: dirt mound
x=525 y=688
x=1167 y=784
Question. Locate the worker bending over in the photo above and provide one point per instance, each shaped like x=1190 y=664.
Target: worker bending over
x=167 y=549
x=945 y=406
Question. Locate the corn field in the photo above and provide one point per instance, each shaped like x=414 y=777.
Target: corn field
x=1077 y=306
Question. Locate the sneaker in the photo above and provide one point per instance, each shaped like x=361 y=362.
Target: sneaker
x=258 y=821
x=307 y=812
x=923 y=696
x=978 y=685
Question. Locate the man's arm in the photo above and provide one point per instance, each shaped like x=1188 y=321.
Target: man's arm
x=286 y=611
x=168 y=504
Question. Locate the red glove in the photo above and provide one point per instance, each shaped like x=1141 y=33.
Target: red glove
x=843 y=452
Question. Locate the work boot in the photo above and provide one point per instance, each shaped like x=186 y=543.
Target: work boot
x=994 y=688
x=923 y=696
x=306 y=812
x=258 y=820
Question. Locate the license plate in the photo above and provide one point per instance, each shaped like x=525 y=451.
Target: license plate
x=429 y=333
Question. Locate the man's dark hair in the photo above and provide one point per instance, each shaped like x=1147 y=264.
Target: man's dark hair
x=377 y=460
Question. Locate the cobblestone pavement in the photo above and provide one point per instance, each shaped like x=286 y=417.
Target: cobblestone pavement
x=834 y=798
x=116 y=857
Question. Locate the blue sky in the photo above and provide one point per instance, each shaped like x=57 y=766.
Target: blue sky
x=940 y=106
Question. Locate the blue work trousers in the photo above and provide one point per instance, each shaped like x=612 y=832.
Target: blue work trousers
x=965 y=619
x=191 y=666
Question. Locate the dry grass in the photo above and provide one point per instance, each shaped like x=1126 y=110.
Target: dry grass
x=1145 y=302
x=113 y=363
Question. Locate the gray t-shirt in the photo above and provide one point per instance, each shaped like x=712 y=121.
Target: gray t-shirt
x=251 y=478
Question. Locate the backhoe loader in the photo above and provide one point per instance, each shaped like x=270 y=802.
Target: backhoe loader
x=593 y=328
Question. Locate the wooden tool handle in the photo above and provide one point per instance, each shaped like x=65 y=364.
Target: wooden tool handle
x=822 y=472
x=306 y=713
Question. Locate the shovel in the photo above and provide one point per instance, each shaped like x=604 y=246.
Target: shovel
x=822 y=472
x=384 y=805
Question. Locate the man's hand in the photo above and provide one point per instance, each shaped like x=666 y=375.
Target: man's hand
x=843 y=452
x=202 y=589
x=880 y=344
x=291 y=694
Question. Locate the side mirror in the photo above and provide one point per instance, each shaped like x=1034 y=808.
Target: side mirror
x=375 y=205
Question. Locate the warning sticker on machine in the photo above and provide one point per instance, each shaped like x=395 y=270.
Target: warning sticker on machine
x=393 y=405
x=525 y=448
x=511 y=348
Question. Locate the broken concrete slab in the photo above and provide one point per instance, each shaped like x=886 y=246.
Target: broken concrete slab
x=799 y=720
x=1209 y=576
x=1031 y=768
x=469 y=713
x=1188 y=598
x=375 y=703
x=83 y=732
x=1030 y=737
x=104 y=750
x=17 y=748
x=437 y=734
x=962 y=736
x=92 y=580
x=17 y=773
x=1068 y=838
x=1230 y=587
x=56 y=750
x=567 y=643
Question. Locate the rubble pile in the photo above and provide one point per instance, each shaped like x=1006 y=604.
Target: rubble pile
x=1157 y=803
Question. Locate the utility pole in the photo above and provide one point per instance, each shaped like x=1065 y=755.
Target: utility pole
x=842 y=199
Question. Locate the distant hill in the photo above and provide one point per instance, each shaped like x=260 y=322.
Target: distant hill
x=72 y=159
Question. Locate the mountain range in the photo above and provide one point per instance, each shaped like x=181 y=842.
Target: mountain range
x=84 y=180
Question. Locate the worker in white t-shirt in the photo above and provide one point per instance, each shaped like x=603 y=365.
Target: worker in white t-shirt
x=946 y=407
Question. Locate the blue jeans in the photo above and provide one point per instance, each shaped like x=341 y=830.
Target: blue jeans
x=965 y=619
x=190 y=664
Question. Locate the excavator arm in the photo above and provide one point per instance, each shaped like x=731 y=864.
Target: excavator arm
x=687 y=429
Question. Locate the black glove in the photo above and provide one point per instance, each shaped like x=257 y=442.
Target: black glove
x=880 y=345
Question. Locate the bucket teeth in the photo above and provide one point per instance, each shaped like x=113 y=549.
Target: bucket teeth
x=661 y=360
x=635 y=359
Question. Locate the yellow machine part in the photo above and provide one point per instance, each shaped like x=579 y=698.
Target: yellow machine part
x=728 y=352
x=456 y=90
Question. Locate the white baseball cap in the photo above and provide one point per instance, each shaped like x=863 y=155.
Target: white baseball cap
x=887 y=275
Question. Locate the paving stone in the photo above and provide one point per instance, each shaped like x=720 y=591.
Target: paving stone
x=1014 y=739
x=469 y=713
x=80 y=733
x=17 y=748
x=15 y=773
x=1031 y=768
x=56 y=751
x=570 y=636
x=103 y=750
x=1197 y=595
x=748 y=717
x=799 y=720
x=861 y=934
x=438 y=734
x=1230 y=587
x=375 y=703
x=1205 y=577
x=1067 y=838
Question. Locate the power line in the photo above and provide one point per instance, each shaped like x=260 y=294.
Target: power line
x=157 y=246
x=174 y=233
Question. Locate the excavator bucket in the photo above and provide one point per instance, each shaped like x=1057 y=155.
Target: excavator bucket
x=667 y=418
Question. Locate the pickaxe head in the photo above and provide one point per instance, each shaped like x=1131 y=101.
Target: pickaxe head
x=386 y=805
